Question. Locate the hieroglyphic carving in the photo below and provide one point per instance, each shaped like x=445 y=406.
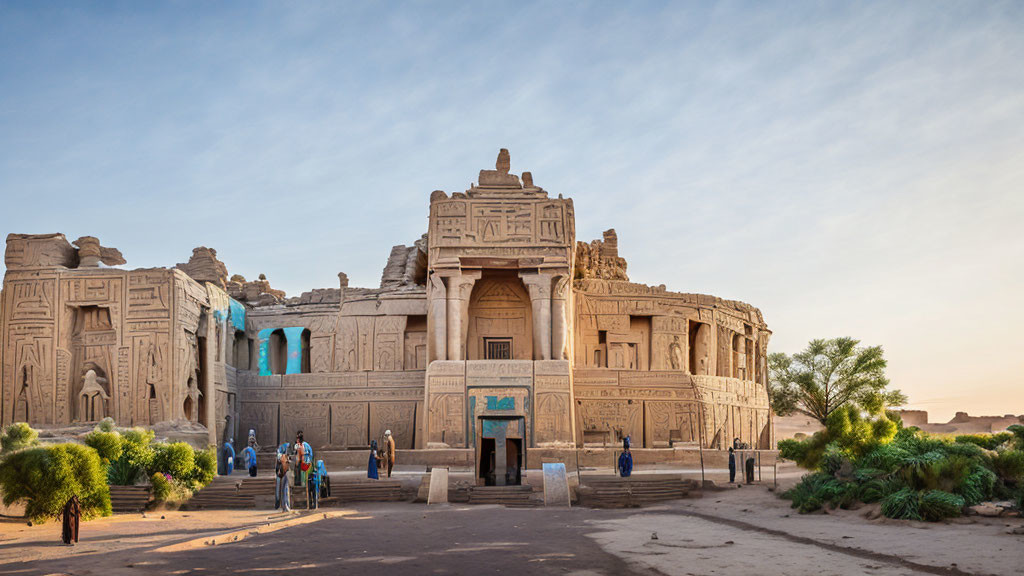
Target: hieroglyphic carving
x=263 y=418
x=616 y=418
x=30 y=300
x=446 y=420
x=346 y=359
x=552 y=417
x=668 y=422
x=28 y=373
x=321 y=353
x=389 y=340
x=124 y=385
x=399 y=417
x=61 y=409
x=365 y=342
x=309 y=417
x=349 y=424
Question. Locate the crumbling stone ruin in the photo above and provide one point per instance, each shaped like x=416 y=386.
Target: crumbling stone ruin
x=496 y=336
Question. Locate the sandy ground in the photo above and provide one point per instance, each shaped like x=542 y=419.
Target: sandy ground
x=744 y=530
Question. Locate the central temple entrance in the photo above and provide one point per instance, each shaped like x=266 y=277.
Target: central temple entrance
x=501 y=451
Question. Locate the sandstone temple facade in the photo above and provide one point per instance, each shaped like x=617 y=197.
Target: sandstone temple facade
x=495 y=334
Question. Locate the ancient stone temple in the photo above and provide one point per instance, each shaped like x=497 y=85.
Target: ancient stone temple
x=494 y=335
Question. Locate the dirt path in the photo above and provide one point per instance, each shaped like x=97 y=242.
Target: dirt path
x=770 y=538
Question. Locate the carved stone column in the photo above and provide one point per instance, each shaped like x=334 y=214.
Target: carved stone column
x=539 y=286
x=559 y=319
x=459 y=289
x=437 y=320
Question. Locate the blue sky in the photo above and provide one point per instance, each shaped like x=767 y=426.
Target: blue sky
x=850 y=169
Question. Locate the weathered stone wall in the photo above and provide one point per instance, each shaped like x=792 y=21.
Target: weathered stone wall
x=685 y=349
x=141 y=332
x=496 y=324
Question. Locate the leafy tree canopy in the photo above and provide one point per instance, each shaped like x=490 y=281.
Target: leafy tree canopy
x=828 y=375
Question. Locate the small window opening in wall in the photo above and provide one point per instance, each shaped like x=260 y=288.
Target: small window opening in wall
x=497 y=348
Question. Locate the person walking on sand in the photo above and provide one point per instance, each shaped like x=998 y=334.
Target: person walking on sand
x=282 y=493
x=371 y=466
x=389 y=449
x=72 y=515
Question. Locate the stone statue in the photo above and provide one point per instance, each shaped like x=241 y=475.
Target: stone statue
x=93 y=398
x=675 y=354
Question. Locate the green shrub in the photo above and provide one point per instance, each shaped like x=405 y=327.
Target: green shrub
x=106 y=425
x=136 y=457
x=176 y=459
x=902 y=505
x=1018 y=435
x=977 y=486
x=161 y=486
x=45 y=478
x=205 y=469
x=18 y=436
x=936 y=505
x=106 y=444
x=986 y=441
x=1009 y=466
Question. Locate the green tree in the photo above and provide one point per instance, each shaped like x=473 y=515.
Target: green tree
x=828 y=375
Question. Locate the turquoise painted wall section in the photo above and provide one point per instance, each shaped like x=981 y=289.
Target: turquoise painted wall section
x=236 y=311
x=503 y=403
x=263 y=341
x=294 y=337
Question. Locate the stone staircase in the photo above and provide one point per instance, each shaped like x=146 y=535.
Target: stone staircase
x=375 y=491
x=632 y=492
x=510 y=496
x=245 y=492
x=231 y=492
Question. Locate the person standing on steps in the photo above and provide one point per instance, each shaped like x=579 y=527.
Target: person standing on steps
x=389 y=447
x=229 y=457
x=371 y=466
x=625 y=459
x=282 y=492
x=250 y=453
x=303 y=459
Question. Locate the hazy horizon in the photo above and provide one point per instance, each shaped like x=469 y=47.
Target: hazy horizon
x=849 y=170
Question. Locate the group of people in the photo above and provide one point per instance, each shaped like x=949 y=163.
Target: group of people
x=304 y=472
x=313 y=476
x=383 y=457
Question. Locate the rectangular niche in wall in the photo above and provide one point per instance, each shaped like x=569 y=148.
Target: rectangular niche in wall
x=416 y=343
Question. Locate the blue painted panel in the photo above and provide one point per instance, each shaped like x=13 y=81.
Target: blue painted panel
x=494 y=428
x=263 y=341
x=294 y=337
x=236 y=311
x=503 y=403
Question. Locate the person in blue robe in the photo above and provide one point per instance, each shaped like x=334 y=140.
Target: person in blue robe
x=371 y=468
x=325 y=479
x=625 y=459
x=250 y=460
x=229 y=457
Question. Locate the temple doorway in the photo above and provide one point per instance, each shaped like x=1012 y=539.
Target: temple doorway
x=501 y=453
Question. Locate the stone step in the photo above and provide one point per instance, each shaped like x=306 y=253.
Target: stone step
x=628 y=492
x=510 y=496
